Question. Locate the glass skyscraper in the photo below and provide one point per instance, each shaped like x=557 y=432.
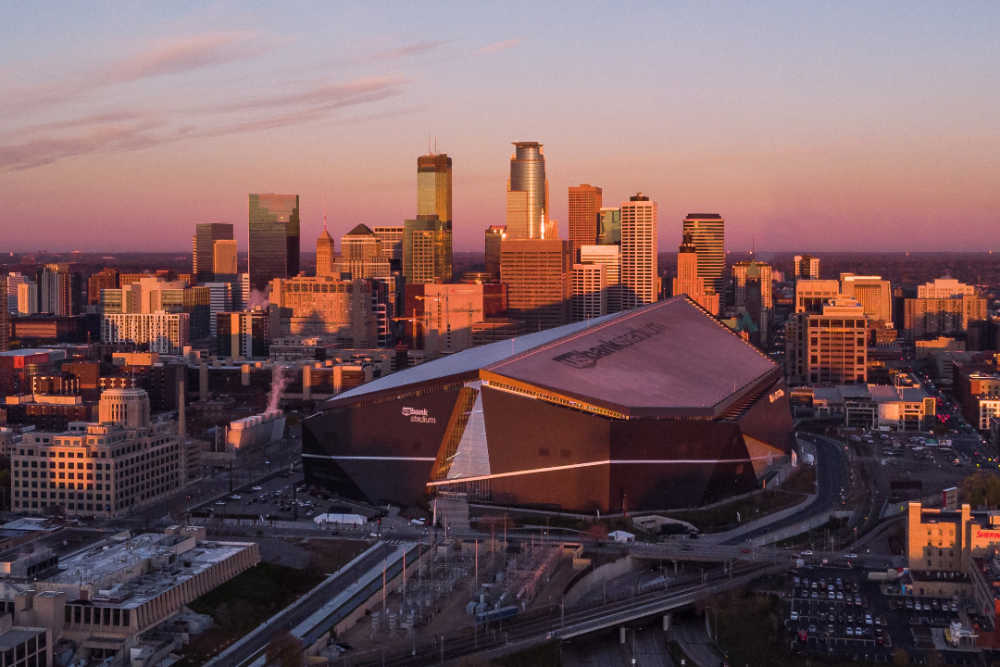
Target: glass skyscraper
x=274 y=238
x=708 y=233
x=205 y=236
x=527 y=192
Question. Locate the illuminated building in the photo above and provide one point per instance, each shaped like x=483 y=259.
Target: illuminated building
x=59 y=290
x=390 y=240
x=610 y=226
x=106 y=278
x=610 y=257
x=434 y=186
x=753 y=293
x=325 y=306
x=829 y=347
x=495 y=234
x=527 y=192
x=657 y=407
x=203 y=250
x=449 y=311
x=589 y=292
x=708 y=233
x=687 y=281
x=872 y=292
x=274 y=238
x=4 y=313
x=943 y=307
x=426 y=250
x=584 y=215
x=537 y=274
x=805 y=266
x=812 y=294
x=224 y=259
x=166 y=333
x=245 y=334
x=639 y=273
x=360 y=255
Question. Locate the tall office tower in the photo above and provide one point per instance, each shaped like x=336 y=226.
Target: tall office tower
x=4 y=313
x=245 y=334
x=426 y=250
x=753 y=285
x=873 y=293
x=708 y=233
x=326 y=254
x=27 y=298
x=390 y=239
x=224 y=259
x=527 y=192
x=588 y=292
x=639 y=252
x=220 y=301
x=106 y=278
x=610 y=232
x=434 y=198
x=610 y=257
x=829 y=347
x=537 y=273
x=584 y=215
x=495 y=234
x=687 y=281
x=203 y=250
x=59 y=290
x=274 y=238
x=811 y=294
x=806 y=266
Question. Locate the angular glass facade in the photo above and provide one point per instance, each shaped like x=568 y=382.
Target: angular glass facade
x=274 y=238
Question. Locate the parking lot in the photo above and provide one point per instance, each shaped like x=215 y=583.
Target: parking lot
x=838 y=611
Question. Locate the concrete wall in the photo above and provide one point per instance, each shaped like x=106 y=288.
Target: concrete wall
x=600 y=575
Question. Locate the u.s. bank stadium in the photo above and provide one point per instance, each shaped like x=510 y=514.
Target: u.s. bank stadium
x=657 y=407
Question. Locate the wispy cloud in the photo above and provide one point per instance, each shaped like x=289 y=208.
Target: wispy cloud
x=408 y=50
x=499 y=46
x=171 y=56
x=323 y=94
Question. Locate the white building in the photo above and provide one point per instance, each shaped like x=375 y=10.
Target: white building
x=639 y=273
x=166 y=333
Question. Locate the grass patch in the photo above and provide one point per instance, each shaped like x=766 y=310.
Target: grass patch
x=244 y=602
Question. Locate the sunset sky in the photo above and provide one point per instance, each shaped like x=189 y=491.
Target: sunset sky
x=807 y=125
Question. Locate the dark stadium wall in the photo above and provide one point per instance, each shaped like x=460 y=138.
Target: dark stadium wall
x=769 y=418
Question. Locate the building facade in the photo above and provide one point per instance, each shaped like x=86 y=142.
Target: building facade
x=708 y=233
x=324 y=306
x=527 y=192
x=610 y=257
x=640 y=245
x=537 y=274
x=830 y=347
x=166 y=333
x=805 y=266
x=584 y=215
x=812 y=294
x=610 y=226
x=274 y=238
x=426 y=250
x=873 y=293
x=203 y=248
x=495 y=234
x=589 y=292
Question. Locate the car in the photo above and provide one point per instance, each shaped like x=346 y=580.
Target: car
x=831 y=595
x=235 y=496
x=220 y=502
x=814 y=595
x=916 y=606
x=909 y=604
x=806 y=553
x=794 y=615
x=849 y=631
x=857 y=631
x=812 y=628
x=851 y=556
x=256 y=488
x=840 y=595
x=868 y=619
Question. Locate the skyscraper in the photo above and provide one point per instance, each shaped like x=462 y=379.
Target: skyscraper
x=610 y=226
x=589 y=293
x=205 y=236
x=753 y=294
x=873 y=293
x=708 y=233
x=224 y=259
x=426 y=250
x=495 y=234
x=59 y=290
x=687 y=281
x=537 y=273
x=584 y=214
x=639 y=252
x=361 y=255
x=610 y=257
x=274 y=238
x=390 y=239
x=4 y=313
x=325 y=253
x=434 y=186
x=527 y=192
x=806 y=266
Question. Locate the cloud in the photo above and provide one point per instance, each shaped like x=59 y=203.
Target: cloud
x=165 y=57
x=409 y=50
x=499 y=46
x=46 y=150
x=337 y=93
x=94 y=119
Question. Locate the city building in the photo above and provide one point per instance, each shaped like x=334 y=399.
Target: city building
x=107 y=469
x=224 y=260
x=326 y=253
x=873 y=293
x=274 y=238
x=426 y=250
x=610 y=257
x=203 y=248
x=584 y=215
x=27 y=298
x=805 y=266
x=657 y=407
x=4 y=314
x=434 y=186
x=390 y=240
x=753 y=294
x=495 y=234
x=360 y=256
x=943 y=307
x=106 y=278
x=829 y=347
x=871 y=406
x=220 y=301
x=245 y=334
x=527 y=192
x=708 y=234
x=59 y=290
x=166 y=333
x=449 y=311
x=537 y=274
x=812 y=294
x=589 y=292
x=325 y=306
x=977 y=391
x=639 y=269
x=610 y=226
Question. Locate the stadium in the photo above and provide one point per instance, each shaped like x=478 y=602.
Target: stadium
x=653 y=408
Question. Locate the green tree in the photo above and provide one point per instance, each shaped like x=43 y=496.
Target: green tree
x=981 y=489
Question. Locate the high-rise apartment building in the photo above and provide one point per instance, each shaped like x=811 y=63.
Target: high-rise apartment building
x=27 y=298
x=527 y=192
x=203 y=248
x=943 y=307
x=274 y=238
x=610 y=231
x=106 y=278
x=325 y=306
x=220 y=301
x=426 y=250
x=687 y=281
x=224 y=260
x=708 y=233
x=610 y=257
x=588 y=291
x=584 y=215
x=830 y=347
x=944 y=288
x=805 y=266
x=812 y=294
x=537 y=273
x=639 y=274
x=166 y=333
x=59 y=290
x=390 y=239
x=495 y=234
x=873 y=293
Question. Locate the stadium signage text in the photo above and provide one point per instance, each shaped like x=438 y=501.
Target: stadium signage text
x=588 y=358
x=418 y=415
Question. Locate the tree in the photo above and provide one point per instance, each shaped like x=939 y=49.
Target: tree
x=285 y=650
x=981 y=489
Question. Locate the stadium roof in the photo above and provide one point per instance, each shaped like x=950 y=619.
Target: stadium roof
x=667 y=358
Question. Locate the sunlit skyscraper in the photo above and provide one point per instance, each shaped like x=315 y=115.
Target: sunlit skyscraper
x=325 y=253
x=639 y=275
x=610 y=227
x=434 y=186
x=495 y=234
x=708 y=233
x=584 y=214
x=205 y=236
x=527 y=192
x=274 y=238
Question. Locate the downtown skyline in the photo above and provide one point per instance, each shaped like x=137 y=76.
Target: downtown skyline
x=860 y=120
